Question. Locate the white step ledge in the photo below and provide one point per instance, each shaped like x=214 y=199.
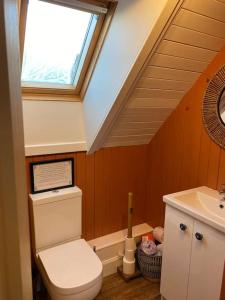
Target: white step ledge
x=110 y=247
x=31 y=150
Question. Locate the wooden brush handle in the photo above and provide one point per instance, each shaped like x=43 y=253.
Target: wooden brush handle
x=130 y=214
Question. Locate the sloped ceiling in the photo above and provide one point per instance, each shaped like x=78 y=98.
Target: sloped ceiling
x=153 y=53
x=193 y=38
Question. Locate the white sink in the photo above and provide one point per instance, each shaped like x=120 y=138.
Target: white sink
x=202 y=203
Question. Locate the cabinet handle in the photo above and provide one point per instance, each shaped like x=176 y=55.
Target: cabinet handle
x=183 y=227
x=199 y=236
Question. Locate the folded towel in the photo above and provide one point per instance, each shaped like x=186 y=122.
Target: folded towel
x=160 y=248
x=158 y=234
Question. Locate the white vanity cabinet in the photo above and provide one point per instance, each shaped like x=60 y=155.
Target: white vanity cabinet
x=193 y=258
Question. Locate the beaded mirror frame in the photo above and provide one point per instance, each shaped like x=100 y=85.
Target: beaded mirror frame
x=211 y=116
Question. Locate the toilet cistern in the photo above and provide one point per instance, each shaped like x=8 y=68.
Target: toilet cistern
x=70 y=269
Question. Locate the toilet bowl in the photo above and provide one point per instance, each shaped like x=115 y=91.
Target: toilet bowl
x=69 y=267
x=71 y=271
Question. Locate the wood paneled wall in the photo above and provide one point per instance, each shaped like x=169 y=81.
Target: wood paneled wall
x=187 y=44
x=105 y=178
x=182 y=155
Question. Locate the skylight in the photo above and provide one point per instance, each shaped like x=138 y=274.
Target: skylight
x=57 y=41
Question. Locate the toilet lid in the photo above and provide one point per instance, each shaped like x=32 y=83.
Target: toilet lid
x=71 y=267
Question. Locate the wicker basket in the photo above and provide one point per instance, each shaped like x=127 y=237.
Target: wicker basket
x=150 y=266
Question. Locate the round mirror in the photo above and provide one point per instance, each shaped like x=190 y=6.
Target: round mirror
x=221 y=106
x=214 y=108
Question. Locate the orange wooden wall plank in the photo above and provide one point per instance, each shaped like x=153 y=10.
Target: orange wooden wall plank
x=213 y=165
x=101 y=194
x=191 y=131
x=204 y=155
x=117 y=172
x=105 y=178
x=181 y=155
x=84 y=179
x=221 y=173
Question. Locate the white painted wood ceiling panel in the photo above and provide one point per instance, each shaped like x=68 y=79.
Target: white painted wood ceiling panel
x=170 y=74
x=163 y=84
x=195 y=36
x=152 y=102
x=185 y=51
x=179 y=63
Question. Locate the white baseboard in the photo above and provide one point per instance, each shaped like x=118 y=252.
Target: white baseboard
x=110 y=265
x=110 y=247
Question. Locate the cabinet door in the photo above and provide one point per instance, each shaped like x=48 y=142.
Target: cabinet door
x=176 y=255
x=207 y=263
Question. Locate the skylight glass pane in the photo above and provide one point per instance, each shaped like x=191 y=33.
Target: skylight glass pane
x=55 y=41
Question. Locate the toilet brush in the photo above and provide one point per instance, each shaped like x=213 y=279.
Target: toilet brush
x=130 y=245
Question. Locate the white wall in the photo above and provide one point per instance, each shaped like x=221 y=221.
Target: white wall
x=53 y=127
x=130 y=27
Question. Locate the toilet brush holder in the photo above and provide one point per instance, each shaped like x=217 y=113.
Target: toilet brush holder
x=130 y=244
x=129 y=254
x=128 y=266
x=129 y=257
x=128 y=269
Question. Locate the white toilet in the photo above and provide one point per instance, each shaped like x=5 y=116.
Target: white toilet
x=69 y=267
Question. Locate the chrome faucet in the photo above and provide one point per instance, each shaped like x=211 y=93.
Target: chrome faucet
x=222 y=192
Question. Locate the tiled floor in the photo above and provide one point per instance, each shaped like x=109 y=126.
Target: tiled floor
x=115 y=288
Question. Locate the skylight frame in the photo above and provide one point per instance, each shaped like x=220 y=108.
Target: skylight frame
x=30 y=88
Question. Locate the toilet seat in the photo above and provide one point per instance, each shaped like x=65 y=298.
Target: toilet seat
x=71 y=267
